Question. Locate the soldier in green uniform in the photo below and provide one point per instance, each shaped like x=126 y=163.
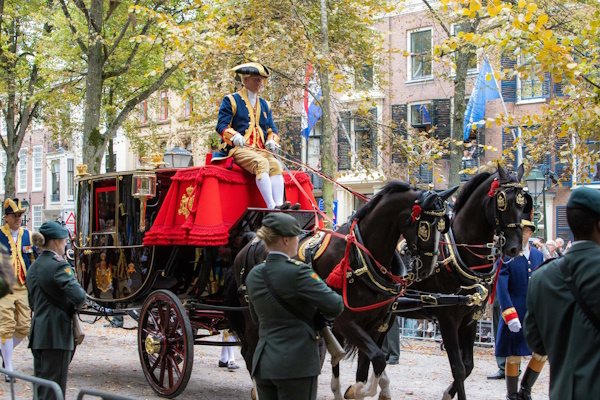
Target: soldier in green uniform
x=555 y=323
x=286 y=362
x=54 y=296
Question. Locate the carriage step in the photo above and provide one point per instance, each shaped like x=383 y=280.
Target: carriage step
x=196 y=305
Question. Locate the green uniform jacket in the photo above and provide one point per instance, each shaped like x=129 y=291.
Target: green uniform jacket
x=555 y=325
x=287 y=347
x=51 y=326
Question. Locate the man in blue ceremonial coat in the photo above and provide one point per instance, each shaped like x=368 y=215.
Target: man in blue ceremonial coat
x=511 y=290
x=246 y=126
x=15 y=315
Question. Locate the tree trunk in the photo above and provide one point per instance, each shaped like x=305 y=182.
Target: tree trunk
x=93 y=141
x=9 y=179
x=327 y=163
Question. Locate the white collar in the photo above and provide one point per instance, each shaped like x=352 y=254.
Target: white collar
x=252 y=97
x=526 y=251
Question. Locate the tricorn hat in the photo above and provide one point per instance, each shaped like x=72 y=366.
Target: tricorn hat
x=528 y=223
x=252 y=68
x=13 y=206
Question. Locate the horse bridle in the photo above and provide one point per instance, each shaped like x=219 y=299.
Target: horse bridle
x=501 y=204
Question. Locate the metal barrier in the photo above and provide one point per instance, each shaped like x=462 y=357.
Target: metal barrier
x=429 y=330
x=36 y=381
x=56 y=388
x=102 y=395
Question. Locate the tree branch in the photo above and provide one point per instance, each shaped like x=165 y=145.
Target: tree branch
x=436 y=16
x=114 y=125
x=86 y=14
x=65 y=10
x=121 y=35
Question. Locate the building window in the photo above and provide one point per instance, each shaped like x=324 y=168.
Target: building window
x=473 y=66
x=163 y=112
x=419 y=63
x=22 y=171
x=37 y=168
x=365 y=80
x=188 y=107
x=313 y=158
x=144 y=112
x=420 y=118
x=36 y=215
x=3 y=162
x=70 y=179
x=530 y=87
x=55 y=190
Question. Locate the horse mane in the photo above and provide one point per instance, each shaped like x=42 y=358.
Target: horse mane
x=390 y=188
x=468 y=190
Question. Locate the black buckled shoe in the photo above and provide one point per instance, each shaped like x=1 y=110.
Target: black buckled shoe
x=285 y=206
x=498 y=375
x=222 y=364
x=296 y=206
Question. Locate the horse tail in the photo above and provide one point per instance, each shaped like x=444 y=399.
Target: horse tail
x=231 y=299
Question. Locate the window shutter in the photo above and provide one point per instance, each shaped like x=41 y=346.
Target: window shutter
x=546 y=85
x=441 y=120
x=546 y=166
x=373 y=124
x=399 y=117
x=562 y=226
x=344 y=149
x=290 y=133
x=561 y=168
x=558 y=89
x=508 y=141
x=508 y=86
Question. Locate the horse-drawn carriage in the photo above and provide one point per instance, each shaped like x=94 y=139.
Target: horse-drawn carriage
x=158 y=241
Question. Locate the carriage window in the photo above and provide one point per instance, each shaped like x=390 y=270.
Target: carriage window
x=105 y=200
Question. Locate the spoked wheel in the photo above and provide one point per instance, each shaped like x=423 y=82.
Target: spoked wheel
x=165 y=343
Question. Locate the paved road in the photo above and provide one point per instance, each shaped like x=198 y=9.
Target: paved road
x=108 y=361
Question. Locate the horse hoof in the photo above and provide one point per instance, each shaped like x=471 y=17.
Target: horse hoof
x=446 y=396
x=253 y=394
x=384 y=397
x=349 y=393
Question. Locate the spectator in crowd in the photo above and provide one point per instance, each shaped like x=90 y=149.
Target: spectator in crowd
x=54 y=297
x=551 y=247
x=560 y=245
x=511 y=290
x=563 y=305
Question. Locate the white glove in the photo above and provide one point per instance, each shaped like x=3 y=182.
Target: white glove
x=514 y=325
x=238 y=140
x=271 y=145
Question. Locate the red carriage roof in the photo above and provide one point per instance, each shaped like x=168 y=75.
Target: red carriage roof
x=203 y=203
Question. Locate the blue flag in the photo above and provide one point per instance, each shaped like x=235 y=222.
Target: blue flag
x=485 y=89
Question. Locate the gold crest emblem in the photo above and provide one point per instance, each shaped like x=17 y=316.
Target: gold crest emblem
x=441 y=225
x=187 y=202
x=423 y=231
x=501 y=201
x=520 y=199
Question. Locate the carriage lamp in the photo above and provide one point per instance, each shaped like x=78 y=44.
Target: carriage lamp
x=143 y=188
x=178 y=157
x=536 y=183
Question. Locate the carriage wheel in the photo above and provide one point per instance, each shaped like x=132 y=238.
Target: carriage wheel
x=165 y=343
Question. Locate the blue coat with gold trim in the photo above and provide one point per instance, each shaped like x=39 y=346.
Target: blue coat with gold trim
x=26 y=252
x=511 y=290
x=256 y=125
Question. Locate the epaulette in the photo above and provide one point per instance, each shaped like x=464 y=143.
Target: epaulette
x=58 y=258
x=295 y=262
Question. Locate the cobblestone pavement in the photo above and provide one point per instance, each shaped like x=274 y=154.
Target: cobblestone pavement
x=108 y=361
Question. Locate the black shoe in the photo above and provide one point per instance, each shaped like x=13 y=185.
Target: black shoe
x=296 y=206
x=392 y=362
x=231 y=366
x=7 y=378
x=222 y=364
x=285 y=206
x=498 y=375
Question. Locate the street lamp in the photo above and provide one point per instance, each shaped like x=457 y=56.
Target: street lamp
x=536 y=183
x=177 y=157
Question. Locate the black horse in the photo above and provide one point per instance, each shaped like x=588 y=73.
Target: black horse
x=398 y=210
x=486 y=223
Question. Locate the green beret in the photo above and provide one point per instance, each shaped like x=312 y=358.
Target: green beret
x=282 y=224
x=53 y=230
x=585 y=197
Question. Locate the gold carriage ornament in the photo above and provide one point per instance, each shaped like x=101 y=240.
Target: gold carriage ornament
x=144 y=185
x=81 y=171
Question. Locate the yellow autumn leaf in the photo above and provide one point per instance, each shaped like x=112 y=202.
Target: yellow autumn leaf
x=532 y=7
x=338 y=76
x=542 y=19
x=475 y=5
x=522 y=3
x=572 y=65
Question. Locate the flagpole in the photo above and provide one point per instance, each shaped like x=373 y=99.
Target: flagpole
x=519 y=148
